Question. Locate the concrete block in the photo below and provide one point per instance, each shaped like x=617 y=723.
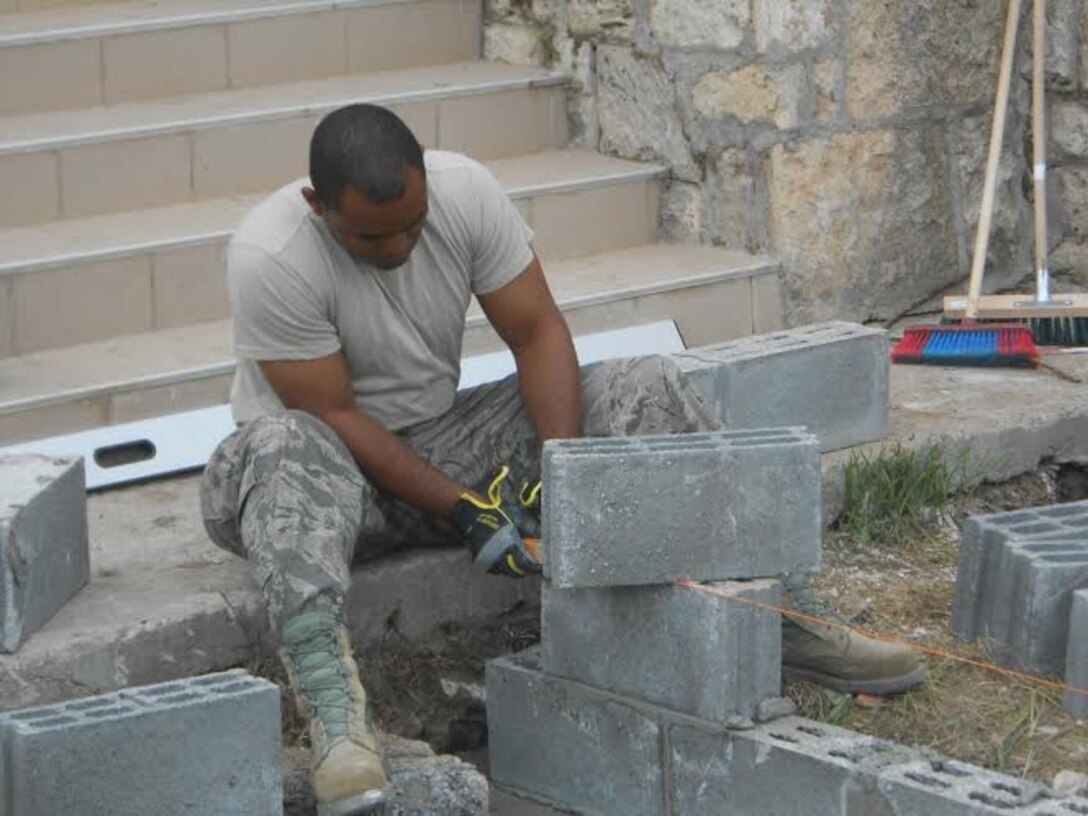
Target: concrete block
x=1041 y=607
x=590 y=751
x=209 y=744
x=569 y=744
x=708 y=506
x=831 y=378
x=1076 y=656
x=940 y=786
x=792 y=767
x=688 y=651
x=980 y=553
x=44 y=550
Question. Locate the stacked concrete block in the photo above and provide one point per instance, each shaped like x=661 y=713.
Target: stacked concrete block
x=44 y=551
x=1076 y=657
x=981 y=558
x=592 y=751
x=831 y=378
x=709 y=507
x=713 y=657
x=208 y=744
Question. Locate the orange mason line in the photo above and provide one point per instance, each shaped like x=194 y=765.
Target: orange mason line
x=685 y=583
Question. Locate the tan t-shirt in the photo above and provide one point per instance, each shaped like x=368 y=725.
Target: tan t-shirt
x=296 y=294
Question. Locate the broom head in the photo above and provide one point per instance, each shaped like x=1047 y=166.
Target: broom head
x=968 y=344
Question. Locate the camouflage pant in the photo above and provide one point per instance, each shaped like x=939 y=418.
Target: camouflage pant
x=285 y=492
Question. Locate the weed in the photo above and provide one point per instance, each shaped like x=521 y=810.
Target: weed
x=896 y=495
x=545 y=40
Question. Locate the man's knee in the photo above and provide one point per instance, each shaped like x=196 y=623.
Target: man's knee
x=642 y=395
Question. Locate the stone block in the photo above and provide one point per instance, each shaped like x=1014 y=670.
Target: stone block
x=753 y=93
x=900 y=57
x=832 y=378
x=686 y=24
x=786 y=26
x=638 y=113
x=209 y=744
x=1069 y=129
x=899 y=242
x=1076 y=657
x=708 y=506
x=44 y=550
x=700 y=654
x=981 y=555
x=570 y=744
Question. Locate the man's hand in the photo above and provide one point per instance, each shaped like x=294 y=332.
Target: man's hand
x=493 y=535
x=528 y=512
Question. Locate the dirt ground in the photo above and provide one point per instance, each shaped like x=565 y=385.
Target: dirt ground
x=968 y=713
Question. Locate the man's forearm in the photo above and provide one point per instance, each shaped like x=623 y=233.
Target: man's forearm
x=392 y=466
x=550 y=383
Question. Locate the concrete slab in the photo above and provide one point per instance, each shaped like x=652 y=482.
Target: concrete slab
x=164 y=602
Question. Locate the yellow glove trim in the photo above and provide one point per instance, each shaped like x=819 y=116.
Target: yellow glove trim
x=494 y=493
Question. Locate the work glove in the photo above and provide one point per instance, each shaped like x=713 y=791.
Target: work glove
x=528 y=518
x=490 y=529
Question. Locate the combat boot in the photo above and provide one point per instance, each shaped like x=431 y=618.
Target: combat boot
x=348 y=773
x=824 y=653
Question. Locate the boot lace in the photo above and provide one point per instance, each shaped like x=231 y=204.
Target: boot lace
x=322 y=678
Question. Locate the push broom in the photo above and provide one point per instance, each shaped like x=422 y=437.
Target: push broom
x=971 y=342
x=1056 y=320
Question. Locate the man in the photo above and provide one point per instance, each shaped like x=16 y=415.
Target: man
x=349 y=294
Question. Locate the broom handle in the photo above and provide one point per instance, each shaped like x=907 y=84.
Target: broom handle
x=1038 y=137
x=997 y=132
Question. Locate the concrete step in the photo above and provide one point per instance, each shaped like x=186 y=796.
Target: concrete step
x=147 y=49
x=89 y=279
x=714 y=295
x=76 y=164
x=165 y=603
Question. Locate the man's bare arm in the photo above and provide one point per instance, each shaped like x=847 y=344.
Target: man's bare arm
x=323 y=388
x=527 y=319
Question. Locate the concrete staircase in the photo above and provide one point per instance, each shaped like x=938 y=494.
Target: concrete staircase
x=134 y=137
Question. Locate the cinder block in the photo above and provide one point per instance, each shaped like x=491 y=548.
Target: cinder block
x=708 y=506
x=940 y=786
x=593 y=752
x=700 y=654
x=569 y=744
x=44 y=550
x=793 y=767
x=1017 y=604
x=209 y=744
x=1042 y=604
x=1076 y=656
x=832 y=378
x=980 y=552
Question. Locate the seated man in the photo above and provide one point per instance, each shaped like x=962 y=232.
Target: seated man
x=349 y=294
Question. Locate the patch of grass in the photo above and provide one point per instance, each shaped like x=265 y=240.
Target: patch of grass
x=899 y=493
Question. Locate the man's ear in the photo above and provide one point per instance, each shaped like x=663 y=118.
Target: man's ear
x=312 y=199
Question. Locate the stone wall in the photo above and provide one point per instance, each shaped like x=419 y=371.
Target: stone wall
x=845 y=137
